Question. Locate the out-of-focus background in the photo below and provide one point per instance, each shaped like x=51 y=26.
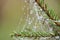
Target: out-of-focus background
x=11 y=10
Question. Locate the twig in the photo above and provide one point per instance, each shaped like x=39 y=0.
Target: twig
x=44 y=8
x=18 y=35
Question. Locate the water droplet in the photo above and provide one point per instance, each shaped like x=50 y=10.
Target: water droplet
x=40 y=9
x=40 y=17
x=24 y=6
x=24 y=13
x=21 y=38
x=35 y=3
x=31 y=12
x=25 y=1
x=57 y=37
x=51 y=29
x=23 y=9
x=27 y=9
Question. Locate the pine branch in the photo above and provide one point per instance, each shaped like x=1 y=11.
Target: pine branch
x=41 y=35
x=44 y=8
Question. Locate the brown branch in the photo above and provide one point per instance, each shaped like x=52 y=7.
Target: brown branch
x=18 y=35
x=44 y=8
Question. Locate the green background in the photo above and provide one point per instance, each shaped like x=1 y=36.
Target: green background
x=12 y=11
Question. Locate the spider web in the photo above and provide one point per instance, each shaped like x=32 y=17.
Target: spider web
x=35 y=20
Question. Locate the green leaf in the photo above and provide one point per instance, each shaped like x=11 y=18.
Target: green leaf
x=42 y=2
x=52 y=14
x=33 y=33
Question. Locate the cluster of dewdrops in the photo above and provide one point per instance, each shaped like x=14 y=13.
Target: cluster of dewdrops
x=34 y=17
